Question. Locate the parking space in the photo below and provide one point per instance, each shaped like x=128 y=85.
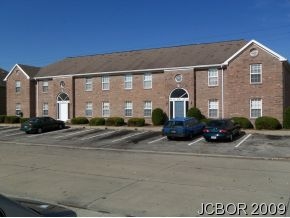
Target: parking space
x=247 y=144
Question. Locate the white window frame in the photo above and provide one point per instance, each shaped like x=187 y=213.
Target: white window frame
x=105 y=82
x=128 y=81
x=105 y=109
x=128 y=110
x=147 y=108
x=17 y=86
x=18 y=109
x=147 y=81
x=256 y=69
x=89 y=109
x=256 y=104
x=44 y=86
x=88 y=84
x=213 y=105
x=45 y=109
x=213 y=77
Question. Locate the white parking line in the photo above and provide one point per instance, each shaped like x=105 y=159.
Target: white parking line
x=14 y=134
x=94 y=136
x=46 y=133
x=201 y=138
x=139 y=133
x=9 y=130
x=74 y=133
x=6 y=127
x=156 y=140
x=246 y=137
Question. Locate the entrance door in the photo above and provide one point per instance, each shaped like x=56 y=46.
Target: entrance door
x=179 y=109
x=63 y=111
x=63 y=107
x=178 y=103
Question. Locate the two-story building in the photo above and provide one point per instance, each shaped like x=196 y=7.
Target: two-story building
x=3 y=74
x=222 y=79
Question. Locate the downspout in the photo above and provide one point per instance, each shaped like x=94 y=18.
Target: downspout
x=37 y=97
x=223 y=113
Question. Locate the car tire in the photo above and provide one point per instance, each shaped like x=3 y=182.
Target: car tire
x=231 y=138
x=208 y=140
x=60 y=126
x=169 y=137
x=39 y=130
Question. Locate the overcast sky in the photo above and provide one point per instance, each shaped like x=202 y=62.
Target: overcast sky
x=40 y=32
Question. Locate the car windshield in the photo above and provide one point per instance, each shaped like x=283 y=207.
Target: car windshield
x=33 y=120
x=174 y=123
x=216 y=123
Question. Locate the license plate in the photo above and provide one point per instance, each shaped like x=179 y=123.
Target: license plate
x=173 y=131
x=213 y=137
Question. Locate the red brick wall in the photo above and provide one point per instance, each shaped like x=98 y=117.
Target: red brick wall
x=23 y=97
x=50 y=97
x=238 y=90
x=2 y=100
x=117 y=95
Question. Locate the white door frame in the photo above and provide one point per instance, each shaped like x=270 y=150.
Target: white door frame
x=59 y=111
x=61 y=100
x=181 y=98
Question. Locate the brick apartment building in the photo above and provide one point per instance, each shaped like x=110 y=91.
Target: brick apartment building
x=3 y=74
x=223 y=79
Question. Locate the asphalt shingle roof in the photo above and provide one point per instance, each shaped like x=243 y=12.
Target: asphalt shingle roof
x=31 y=71
x=178 y=56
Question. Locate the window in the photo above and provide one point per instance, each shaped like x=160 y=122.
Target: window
x=128 y=81
x=18 y=109
x=256 y=73
x=17 y=86
x=147 y=81
x=105 y=82
x=213 y=108
x=44 y=86
x=45 y=109
x=105 y=109
x=213 y=77
x=88 y=84
x=128 y=109
x=256 y=107
x=89 y=109
x=147 y=108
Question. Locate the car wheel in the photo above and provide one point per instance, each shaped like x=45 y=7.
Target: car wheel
x=39 y=130
x=60 y=126
x=231 y=138
x=169 y=137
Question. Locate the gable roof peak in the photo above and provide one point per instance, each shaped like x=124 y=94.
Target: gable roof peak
x=28 y=71
x=265 y=48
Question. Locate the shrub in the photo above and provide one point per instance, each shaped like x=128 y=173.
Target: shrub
x=136 y=122
x=158 y=117
x=97 y=121
x=79 y=120
x=12 y=119
x=115 y=121
x=266 y=122
x=2 y=118
x=195 y=112
x=22 y=119
x=244 y=122
x=286 y=120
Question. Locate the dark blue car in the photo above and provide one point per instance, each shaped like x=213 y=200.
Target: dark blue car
x=182 y=127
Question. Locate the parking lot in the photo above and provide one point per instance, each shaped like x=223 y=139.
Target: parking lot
x=246 y=145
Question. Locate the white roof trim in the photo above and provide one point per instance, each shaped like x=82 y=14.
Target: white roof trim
x=132 y=71
x=16 y=65
x=271 y=52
